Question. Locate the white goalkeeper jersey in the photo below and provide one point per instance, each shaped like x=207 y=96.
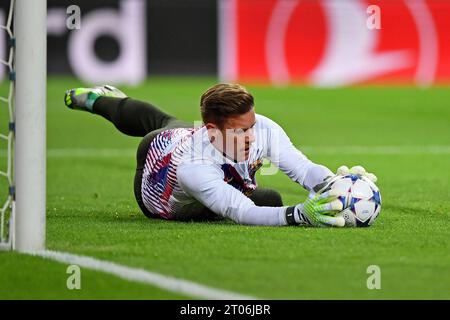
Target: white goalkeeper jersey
x=183 y=169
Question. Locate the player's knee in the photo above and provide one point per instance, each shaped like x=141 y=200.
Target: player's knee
x=267 y=198
x=274 y=199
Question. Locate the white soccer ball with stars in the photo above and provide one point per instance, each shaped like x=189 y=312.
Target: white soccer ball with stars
x=360 y=197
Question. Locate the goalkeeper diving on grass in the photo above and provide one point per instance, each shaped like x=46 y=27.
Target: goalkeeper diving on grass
x=201 y=173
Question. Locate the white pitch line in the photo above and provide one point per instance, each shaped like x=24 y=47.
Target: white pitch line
x=176 y=285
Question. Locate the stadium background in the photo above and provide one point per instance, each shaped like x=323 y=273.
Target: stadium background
x=275 y=41
x=385 y=106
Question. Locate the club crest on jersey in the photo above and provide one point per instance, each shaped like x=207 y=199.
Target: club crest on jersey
x=253 y=167
x=233 y=178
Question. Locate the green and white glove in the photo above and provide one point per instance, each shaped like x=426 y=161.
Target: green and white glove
x=317 y=211
x=356 y=170
x=343 y=171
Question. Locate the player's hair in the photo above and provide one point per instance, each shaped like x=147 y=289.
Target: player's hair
x=224 y=100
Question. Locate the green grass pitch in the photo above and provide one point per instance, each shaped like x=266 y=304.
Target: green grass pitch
x=91 y=208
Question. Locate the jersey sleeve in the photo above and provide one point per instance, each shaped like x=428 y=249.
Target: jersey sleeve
x=205 y=183
x=282 y=153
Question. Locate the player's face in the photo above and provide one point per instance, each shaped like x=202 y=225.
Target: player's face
x=238 y=135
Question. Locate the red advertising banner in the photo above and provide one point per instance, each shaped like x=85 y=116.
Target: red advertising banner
x=335 y=42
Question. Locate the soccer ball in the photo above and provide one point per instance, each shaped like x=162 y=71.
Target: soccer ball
x=360 y=197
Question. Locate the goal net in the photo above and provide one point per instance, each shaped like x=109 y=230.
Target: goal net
x=7 y=129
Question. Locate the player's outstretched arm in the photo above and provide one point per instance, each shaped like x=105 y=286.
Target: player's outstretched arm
x=282 y=153
x=295 y=164
x=209 y=189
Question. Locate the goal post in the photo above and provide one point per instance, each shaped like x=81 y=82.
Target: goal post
x=30 y=30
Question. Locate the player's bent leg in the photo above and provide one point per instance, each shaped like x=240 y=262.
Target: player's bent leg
x=265 y=197
x=130 y=116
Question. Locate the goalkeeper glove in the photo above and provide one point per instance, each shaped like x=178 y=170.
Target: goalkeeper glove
x=357 y=170
x=343 y=171
x=317 y=211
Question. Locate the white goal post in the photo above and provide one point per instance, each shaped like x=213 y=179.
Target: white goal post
x=27 y=230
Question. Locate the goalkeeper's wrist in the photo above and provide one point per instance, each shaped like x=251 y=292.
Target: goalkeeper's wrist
x=290 y=216
x=293 y=215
